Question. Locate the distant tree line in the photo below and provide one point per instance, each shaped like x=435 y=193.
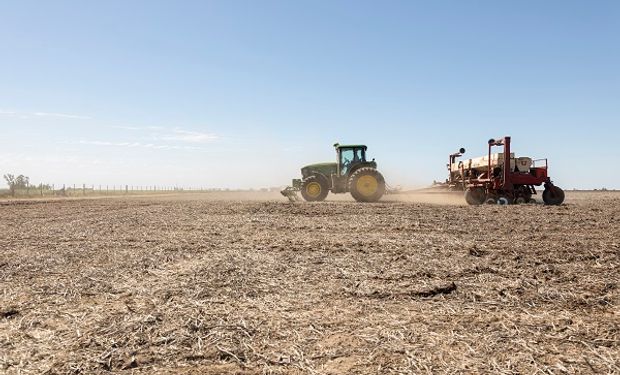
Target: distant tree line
x=22 y=182
x=19 y=182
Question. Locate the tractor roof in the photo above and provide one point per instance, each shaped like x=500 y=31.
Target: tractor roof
x=339 y=146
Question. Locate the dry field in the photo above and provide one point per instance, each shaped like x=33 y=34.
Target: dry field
x=210 y=284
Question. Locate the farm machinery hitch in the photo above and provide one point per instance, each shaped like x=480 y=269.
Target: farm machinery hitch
x=291 y=191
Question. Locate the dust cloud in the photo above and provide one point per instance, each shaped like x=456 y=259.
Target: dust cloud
x=414 y=196
x=448 y=198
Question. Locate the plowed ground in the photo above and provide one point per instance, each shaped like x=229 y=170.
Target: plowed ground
x=200 y=286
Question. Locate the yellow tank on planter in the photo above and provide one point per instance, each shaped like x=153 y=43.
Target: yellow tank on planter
x=351 y=172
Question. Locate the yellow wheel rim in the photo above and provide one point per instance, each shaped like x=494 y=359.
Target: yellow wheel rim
x=367 y=185
x=313 y=189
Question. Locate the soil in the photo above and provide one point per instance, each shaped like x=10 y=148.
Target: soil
x=211 y=284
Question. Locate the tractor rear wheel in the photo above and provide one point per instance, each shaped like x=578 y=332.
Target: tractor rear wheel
x=367 y=185
x=314 y=188
x=475 y=196
x=553 y=196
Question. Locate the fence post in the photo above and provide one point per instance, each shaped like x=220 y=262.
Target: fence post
x=126 y=189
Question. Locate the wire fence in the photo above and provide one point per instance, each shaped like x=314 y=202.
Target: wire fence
x=98 y=190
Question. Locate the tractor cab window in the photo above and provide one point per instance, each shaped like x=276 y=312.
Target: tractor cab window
x=350 y=157
x=346 y=158
x=359 y=156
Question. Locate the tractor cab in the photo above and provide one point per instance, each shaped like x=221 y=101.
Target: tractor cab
x=349 y=158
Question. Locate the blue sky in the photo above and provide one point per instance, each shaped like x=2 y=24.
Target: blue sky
x=243 y=93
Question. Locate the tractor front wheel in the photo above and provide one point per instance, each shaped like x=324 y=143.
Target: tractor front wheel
x=553 y=196
x=314 y=188
x=367 y=185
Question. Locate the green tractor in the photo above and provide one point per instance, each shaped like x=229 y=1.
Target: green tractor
x=350 y=173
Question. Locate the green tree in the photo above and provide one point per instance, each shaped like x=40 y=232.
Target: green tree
x=19 y=182
x=10 y=180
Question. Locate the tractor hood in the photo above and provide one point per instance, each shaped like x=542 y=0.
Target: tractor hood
x=324 y=168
